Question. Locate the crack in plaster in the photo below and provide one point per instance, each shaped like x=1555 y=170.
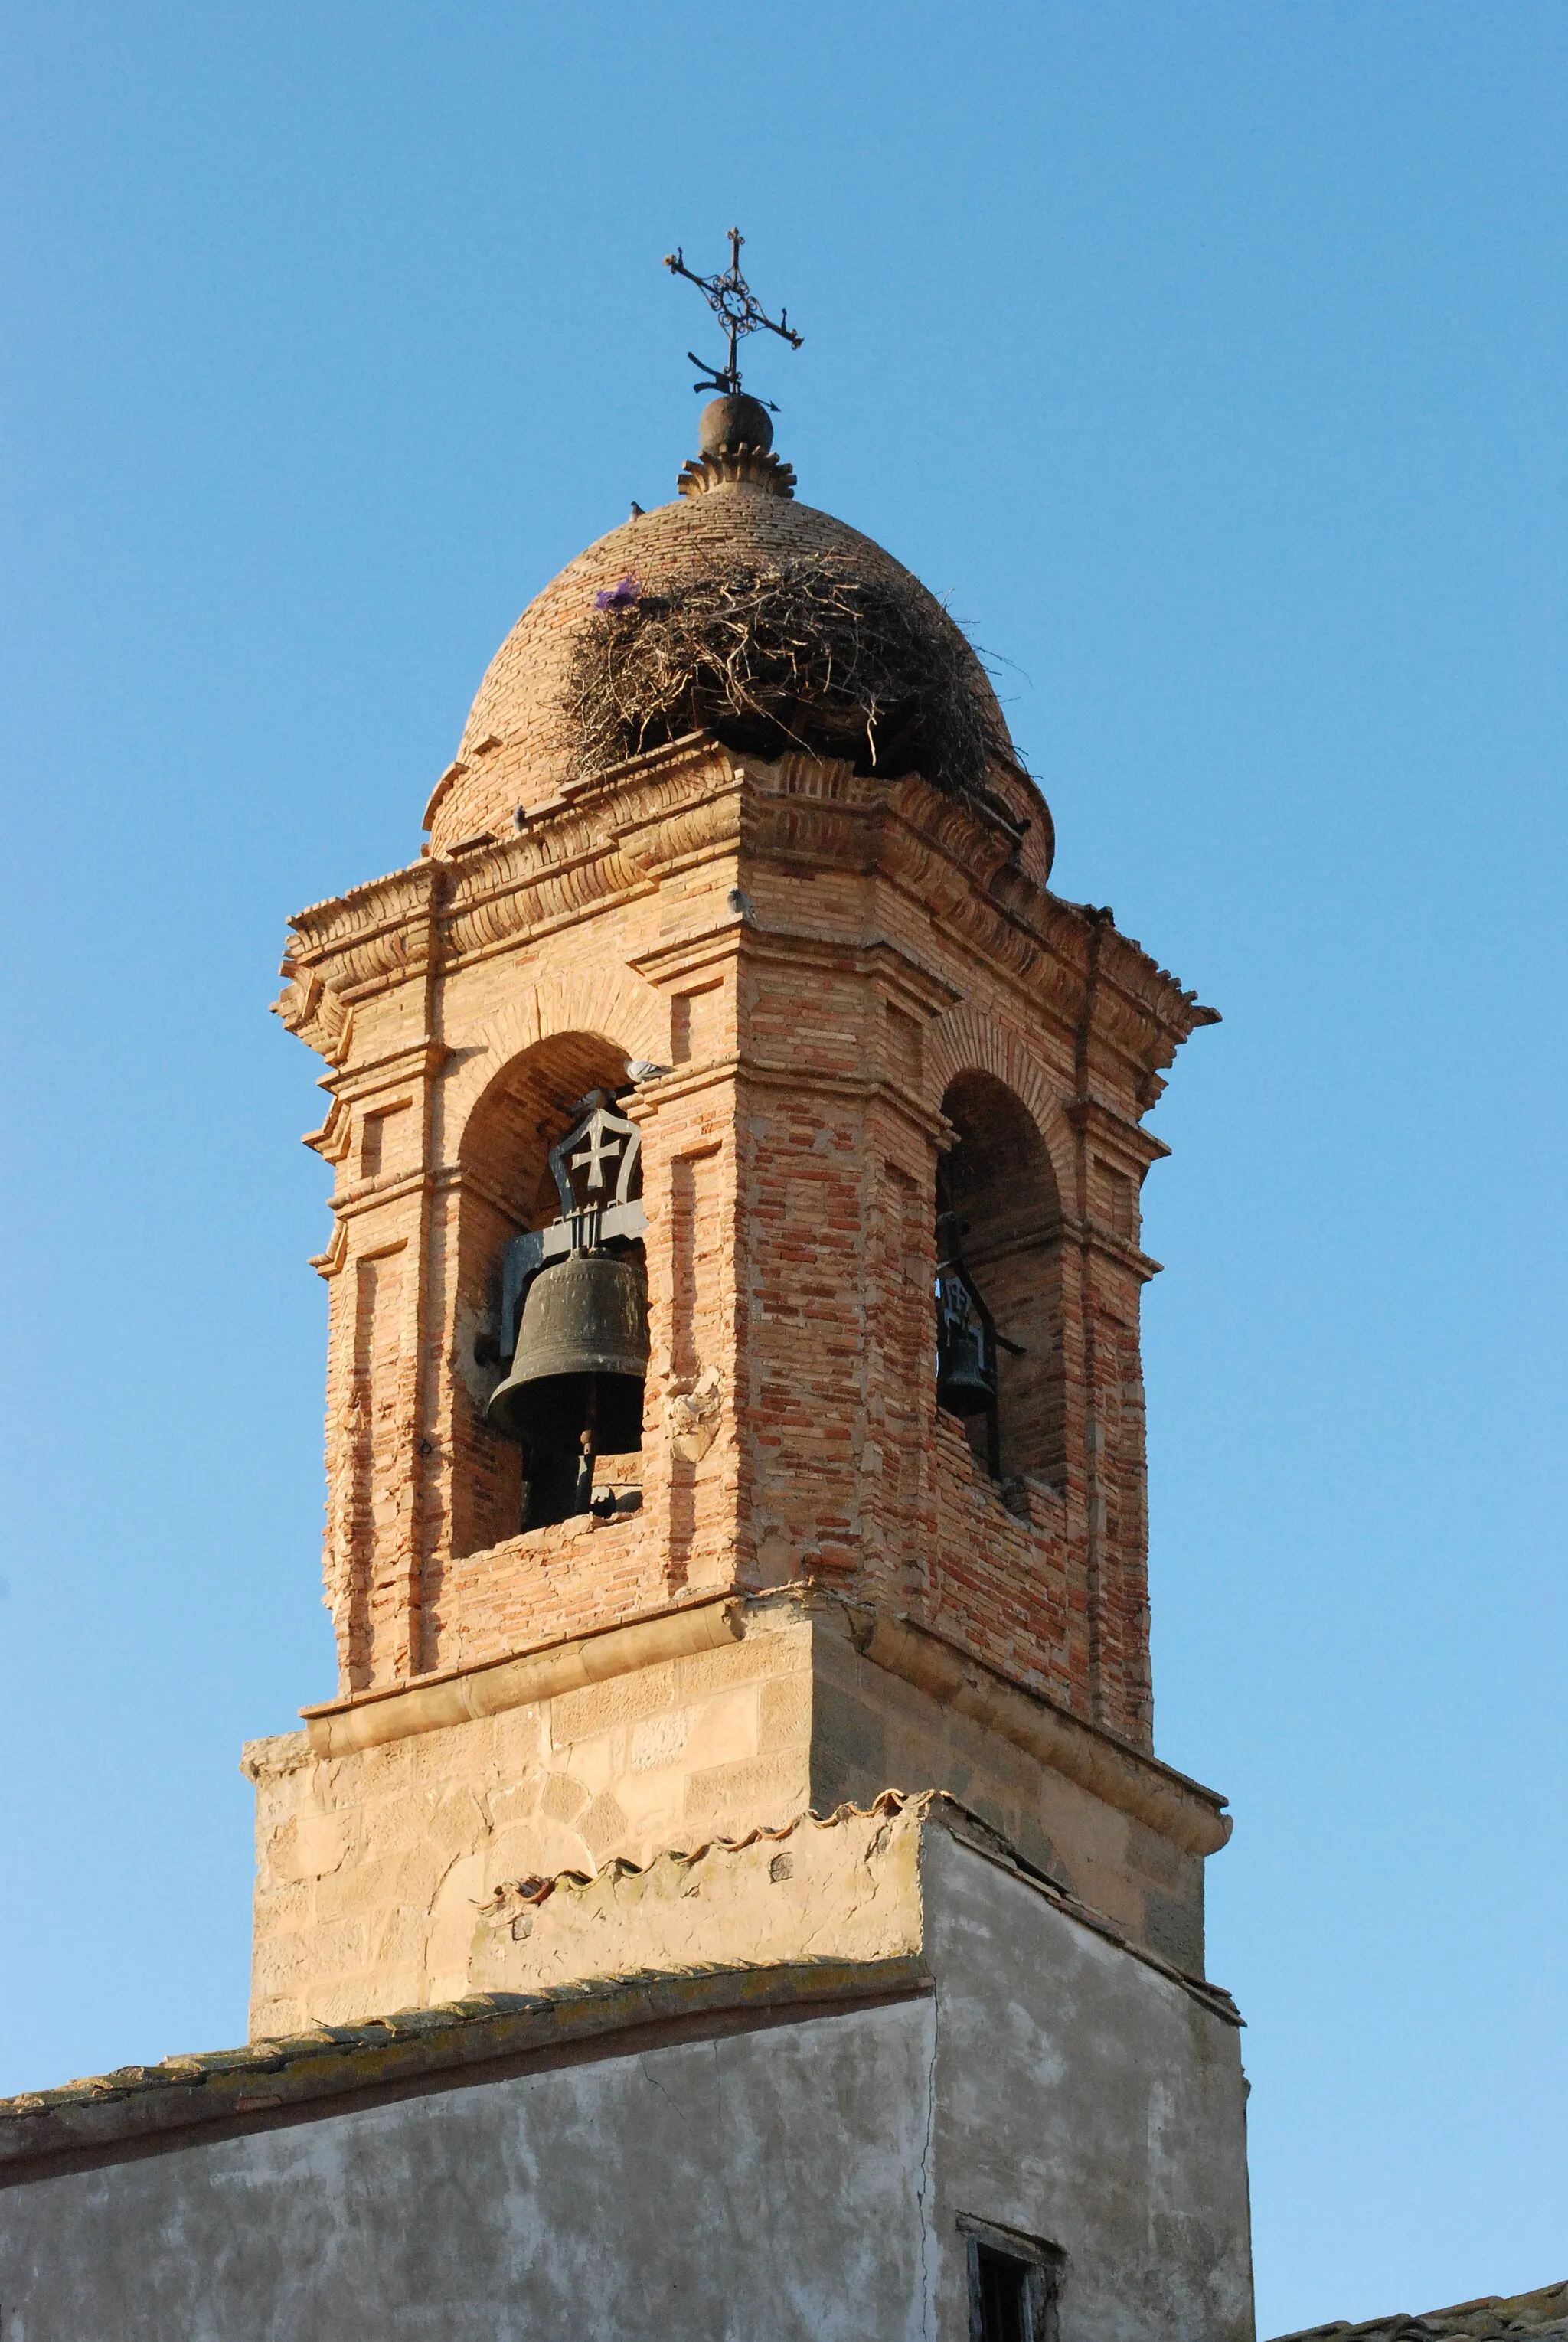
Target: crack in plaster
x=922 y=2191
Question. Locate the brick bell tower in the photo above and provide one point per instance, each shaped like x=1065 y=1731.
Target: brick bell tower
x=728 y=993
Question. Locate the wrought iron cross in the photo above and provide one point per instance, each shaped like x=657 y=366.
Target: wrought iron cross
x=602 y=1147
x=736 y=307
x=604 y=1141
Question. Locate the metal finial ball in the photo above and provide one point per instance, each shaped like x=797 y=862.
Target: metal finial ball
x=737 y=421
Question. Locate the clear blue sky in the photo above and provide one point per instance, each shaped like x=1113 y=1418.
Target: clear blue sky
x=1211 y=360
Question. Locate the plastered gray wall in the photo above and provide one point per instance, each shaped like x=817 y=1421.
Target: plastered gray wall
x=724 y=2191
x=1088 y=2100
x=799 y=2181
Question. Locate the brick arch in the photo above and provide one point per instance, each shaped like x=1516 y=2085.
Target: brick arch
x=1007 y=1179
x=611 y=1001
x=964 y=1040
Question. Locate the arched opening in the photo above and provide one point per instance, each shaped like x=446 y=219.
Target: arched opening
x=999 y=1282
x=525 y=1335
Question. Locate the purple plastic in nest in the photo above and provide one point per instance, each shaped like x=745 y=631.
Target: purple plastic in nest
x=618 y=596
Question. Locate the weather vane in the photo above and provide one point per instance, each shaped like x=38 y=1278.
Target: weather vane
x=736 y=306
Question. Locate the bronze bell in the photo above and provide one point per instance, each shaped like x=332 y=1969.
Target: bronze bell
x=581 y=1359
x=963 y=1385
x=965 y=1376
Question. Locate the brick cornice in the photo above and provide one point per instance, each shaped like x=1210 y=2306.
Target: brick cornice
x=1095 y=1117
x=393 y=1069
x=694 y=802
x=369 y=1196
x=687 y=955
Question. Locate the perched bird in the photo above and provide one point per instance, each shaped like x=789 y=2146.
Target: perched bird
x=642 y=1069
x=636 y=509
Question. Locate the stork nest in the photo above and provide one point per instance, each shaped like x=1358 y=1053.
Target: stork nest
x=797 y=656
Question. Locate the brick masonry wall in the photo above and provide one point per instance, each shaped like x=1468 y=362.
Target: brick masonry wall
x=816 y=957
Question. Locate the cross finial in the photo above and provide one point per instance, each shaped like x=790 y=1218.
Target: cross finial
x=736 y=306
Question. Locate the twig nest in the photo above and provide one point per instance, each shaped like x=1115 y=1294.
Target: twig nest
x=801 y=654
x=738 y=611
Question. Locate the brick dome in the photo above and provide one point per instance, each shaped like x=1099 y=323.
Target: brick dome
x=521 y=743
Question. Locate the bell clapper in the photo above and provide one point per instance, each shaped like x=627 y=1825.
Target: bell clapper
x=587 y=1442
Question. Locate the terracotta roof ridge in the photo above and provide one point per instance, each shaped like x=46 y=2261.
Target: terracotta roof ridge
x=538 y=1890
x=1541 y=2314
x=139 y=2109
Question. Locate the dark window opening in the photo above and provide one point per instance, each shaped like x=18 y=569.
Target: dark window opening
x=575 y=1320
x=999 y=1283
x=572 y=1430
x=1003 y=2285
x=1013 y=2283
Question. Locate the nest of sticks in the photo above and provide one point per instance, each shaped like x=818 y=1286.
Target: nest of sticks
x=797 y=656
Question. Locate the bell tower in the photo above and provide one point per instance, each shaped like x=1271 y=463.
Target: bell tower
x=734 y=1400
